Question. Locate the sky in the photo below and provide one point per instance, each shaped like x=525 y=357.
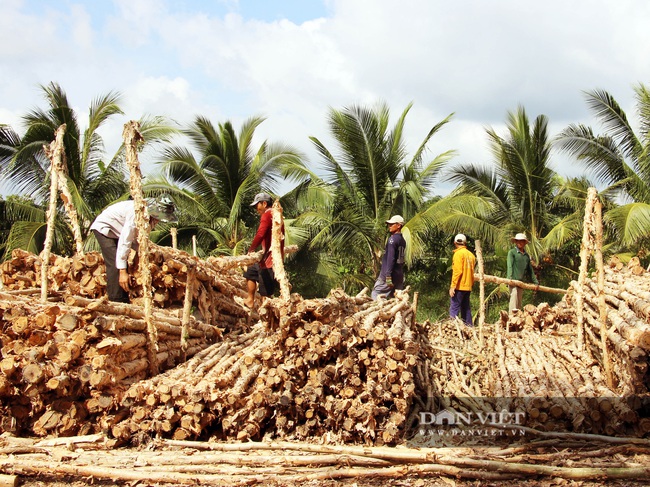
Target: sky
x=291 y=61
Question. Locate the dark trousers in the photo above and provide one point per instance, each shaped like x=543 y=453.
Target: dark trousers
x=264 y=277
x=460 y=305
x=109 y=250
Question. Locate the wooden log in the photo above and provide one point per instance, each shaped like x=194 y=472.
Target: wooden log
x=53 y=151
x=8 y=480
x=277 y=250
x=132 y=137
x=523 y=285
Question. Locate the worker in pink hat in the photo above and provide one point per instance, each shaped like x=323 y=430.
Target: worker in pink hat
x=520 y=268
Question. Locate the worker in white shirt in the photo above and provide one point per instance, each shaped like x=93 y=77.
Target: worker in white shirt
x=116 y=234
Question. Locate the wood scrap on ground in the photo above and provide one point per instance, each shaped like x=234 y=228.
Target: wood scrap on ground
x=169 y=462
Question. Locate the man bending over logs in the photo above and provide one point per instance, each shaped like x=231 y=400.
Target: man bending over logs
x=116 y=233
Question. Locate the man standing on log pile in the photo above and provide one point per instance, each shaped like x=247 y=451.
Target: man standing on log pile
x=116 y=234
x=262 y=272
x=462 y=280
x=520 y=268
x=391 y=276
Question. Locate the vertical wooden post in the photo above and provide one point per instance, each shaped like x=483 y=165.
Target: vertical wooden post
x=602 y=305
x=132 y=137
x=62 y=178
x=187 y=307
x=174 y=233
x=53 y=152
x=194 y=245
x=414 y=307
x=481 y=295
x=585 y=252
x=277 y=238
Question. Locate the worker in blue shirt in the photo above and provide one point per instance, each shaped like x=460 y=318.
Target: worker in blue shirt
x=391 y=276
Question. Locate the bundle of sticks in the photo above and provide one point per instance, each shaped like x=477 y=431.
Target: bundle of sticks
x=627 y=298
x=532 y=362
x=339 y=367
x=553 y=459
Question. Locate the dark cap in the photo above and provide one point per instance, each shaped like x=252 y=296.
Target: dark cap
x=262 y=197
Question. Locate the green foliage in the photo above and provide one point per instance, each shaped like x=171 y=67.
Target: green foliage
x=619 y=159
x=215 y=180
x=370 y=179
x=336 y=213
x=93 y=181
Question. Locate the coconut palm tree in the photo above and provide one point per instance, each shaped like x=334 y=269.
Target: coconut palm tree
x=368 y=180
x=94 y=181
x=519 y=192
x=216 y=180
x=619 y=159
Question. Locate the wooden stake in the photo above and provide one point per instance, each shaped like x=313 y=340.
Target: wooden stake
x=585 y=252
x=174 y=233
x=187 y=306
x=414 y=307
x=132 y=137
x=602 y=305
x=66 y=197
x=277 y=239
x=53 y=152
x=481 y=282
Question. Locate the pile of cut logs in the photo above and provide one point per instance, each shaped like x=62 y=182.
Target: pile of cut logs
x=213 y=283
x=532 y=361
x=64 y=362
x=353 y=369
x=627 y=298
x=68 y=360
x=340 y=367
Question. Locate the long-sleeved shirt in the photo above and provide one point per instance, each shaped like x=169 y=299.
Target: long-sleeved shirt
x=263 y=238
x=392 y=263
x=462 y=269
x=118 y=221
x=520 y=267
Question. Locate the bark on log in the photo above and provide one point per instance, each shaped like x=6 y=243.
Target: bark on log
x=523 y=285
x=54 y=151
x=132 y=138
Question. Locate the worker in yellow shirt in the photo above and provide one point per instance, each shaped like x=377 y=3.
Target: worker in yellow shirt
x=462 y=280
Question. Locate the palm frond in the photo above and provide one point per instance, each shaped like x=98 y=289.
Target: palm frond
x=631 y=222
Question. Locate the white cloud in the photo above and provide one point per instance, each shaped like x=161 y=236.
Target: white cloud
x=475 y=58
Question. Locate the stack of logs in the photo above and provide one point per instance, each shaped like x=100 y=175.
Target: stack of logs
x=69 y=360
x=532 y=361
x=215 y=282
x=64 y=362
x=627 y=295
x=340 y=367
x=347 y=368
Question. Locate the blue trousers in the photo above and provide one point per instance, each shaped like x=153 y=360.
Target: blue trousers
x=460 y=305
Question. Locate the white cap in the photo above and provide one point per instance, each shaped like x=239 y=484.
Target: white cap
x=460 y=238
x=395 y=219
x=519 y=236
